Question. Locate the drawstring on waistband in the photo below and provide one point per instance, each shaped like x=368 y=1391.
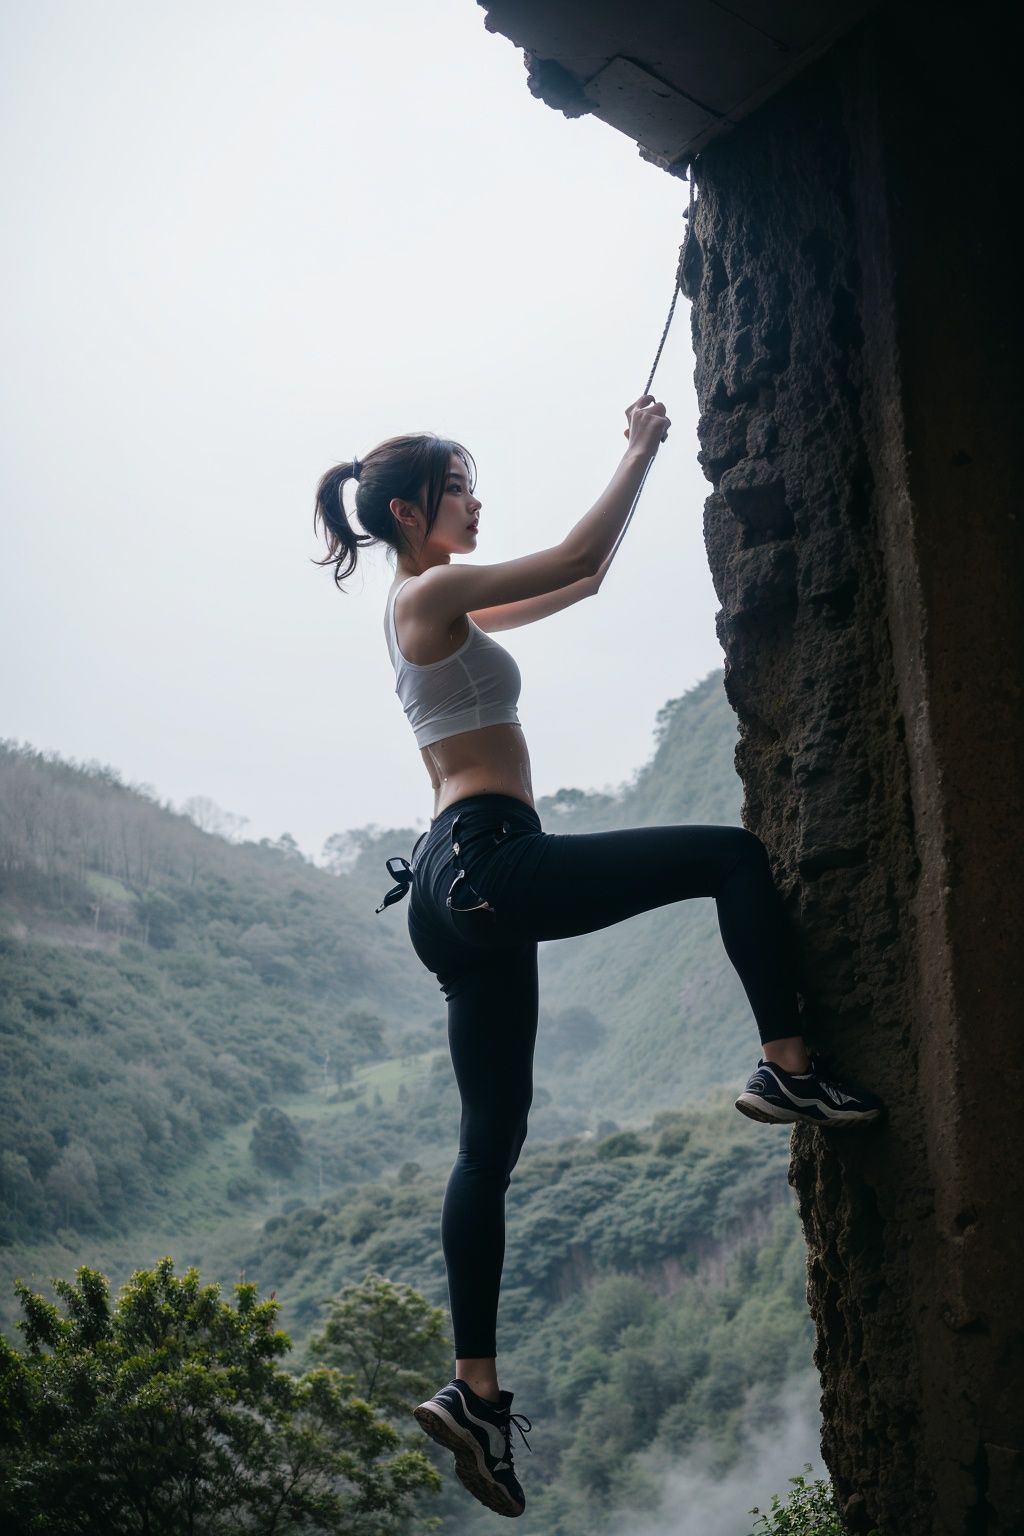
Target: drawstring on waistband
x=405 y=872
x=404 y=875
x=404 y=878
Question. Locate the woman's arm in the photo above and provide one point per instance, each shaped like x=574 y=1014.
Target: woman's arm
x=441 y=593
x=514 y=615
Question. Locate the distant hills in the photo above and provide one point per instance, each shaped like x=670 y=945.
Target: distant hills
x=219 y=1051
x=196 y=1031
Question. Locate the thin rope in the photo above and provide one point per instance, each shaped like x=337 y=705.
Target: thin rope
x=657 y=358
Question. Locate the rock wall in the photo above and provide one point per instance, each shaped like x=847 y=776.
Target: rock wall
x=858 y=405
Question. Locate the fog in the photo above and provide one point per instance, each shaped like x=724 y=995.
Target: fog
x=696 y=1502
x=245 y=241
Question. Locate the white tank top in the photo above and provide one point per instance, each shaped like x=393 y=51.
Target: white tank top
x=479 y=684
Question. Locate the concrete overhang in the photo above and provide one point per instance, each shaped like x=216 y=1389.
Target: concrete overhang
x=672 y=76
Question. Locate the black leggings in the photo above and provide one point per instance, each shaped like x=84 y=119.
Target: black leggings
x=486 y=885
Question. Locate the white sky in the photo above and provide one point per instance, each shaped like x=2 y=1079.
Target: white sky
x=244 y=241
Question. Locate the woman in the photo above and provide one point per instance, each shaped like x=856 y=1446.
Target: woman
x=487 y=884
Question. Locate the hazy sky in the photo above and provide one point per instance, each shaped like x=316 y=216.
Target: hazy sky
x=244 y=241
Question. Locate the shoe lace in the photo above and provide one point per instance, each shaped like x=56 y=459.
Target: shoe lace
x=837 y=1090
x=518 y=1419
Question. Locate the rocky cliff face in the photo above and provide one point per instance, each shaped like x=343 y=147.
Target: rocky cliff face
x=816 y=360
x=792 y=538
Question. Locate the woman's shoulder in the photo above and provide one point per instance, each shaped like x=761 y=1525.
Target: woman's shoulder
x=419 y=600
x=397 y=585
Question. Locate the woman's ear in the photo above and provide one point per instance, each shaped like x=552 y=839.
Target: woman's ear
x=402 y=512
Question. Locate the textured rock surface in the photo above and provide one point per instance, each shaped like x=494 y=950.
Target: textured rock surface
x=842 y=390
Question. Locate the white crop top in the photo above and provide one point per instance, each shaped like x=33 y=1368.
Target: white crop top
x=477 y=685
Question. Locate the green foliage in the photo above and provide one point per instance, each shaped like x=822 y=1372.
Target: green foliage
x=173 y=1002
x=158 y=984
x=570 y=1212
x=118 y=1069
x=389 y=1339
x=276 y=1141
x=808 y=1511
x=619 y=1144
x=650 y=1300
x=633 y=1373
x=167 y=1413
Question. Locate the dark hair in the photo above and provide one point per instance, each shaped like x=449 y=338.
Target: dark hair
x=414 y=468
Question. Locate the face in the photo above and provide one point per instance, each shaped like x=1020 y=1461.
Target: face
x=458 y=511
x=454 y=530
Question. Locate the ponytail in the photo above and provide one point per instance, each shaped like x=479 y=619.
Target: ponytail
x=342 y=540
x=413 y=468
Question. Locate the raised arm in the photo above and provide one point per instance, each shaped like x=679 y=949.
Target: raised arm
x=443 y=593
x=515 y=615
x=530 y=609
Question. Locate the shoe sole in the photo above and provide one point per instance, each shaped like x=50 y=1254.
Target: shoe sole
x=470 y=1467
x=770 y=1114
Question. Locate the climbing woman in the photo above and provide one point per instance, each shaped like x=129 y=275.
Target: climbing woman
x=486 y=883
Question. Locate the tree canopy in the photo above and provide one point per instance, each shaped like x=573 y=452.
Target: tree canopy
x=167 y=1412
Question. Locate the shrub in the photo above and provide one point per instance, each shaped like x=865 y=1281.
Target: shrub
x=808 y=1511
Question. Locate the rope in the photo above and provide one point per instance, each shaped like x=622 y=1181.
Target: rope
x=657 y=357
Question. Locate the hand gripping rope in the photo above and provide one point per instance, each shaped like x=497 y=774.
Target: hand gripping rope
x=682 y=285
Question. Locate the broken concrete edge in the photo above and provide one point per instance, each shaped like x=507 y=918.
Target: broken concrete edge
x=554 y=83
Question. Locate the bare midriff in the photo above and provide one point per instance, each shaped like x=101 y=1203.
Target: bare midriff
x=490 y=761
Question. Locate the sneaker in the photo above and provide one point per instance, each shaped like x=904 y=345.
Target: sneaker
x=774 y=1095
x=480 y=1434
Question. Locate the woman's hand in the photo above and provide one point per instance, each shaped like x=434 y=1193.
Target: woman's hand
x=648 y=424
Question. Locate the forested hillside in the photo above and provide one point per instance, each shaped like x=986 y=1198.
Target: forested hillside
x=163 y=988
x=219 y=1051
x=158 y=985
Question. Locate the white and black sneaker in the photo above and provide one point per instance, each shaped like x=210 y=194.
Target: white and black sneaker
x=480 y=1434
x=774 y=1095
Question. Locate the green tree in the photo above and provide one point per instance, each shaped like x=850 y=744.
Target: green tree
x=389 y=1339
x=276 y=1141
x=168 y=1414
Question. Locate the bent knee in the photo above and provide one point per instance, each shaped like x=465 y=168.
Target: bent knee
x=747 y=848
